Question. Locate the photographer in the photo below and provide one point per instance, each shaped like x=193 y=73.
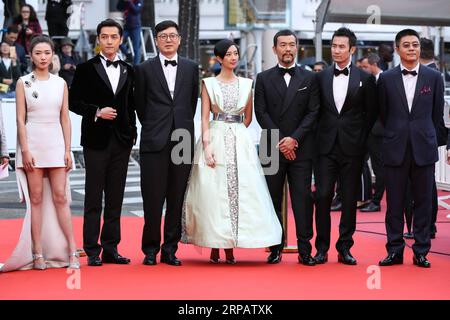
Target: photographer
x=28 y=26
x=69 y=60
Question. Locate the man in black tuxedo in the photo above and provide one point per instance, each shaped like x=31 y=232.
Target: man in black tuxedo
x=347 y=113
x=166 y=98
x=287 y=104
x=411 y=109
x=101 y=93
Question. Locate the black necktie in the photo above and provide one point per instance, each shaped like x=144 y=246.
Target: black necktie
x=405 y=72
x=338 y=72
x=283 y=71
x=114 y=63
x=172 y=62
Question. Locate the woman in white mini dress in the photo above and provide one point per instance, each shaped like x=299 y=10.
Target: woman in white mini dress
x=43 y=159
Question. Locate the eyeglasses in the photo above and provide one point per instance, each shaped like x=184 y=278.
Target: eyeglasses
x=172 y=36
x=26 y=11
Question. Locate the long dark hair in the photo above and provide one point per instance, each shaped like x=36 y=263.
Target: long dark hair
x=41 y=39
x=33 y=15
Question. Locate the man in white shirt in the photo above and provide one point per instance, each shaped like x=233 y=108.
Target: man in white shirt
x=101 y=92
x=347 y=112
x=166 y=94
x=411 y=108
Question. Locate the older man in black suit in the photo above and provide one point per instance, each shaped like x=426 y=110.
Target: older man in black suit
x=411 y=110
x=166 y=98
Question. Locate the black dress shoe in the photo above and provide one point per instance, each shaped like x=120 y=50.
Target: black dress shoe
x=306 y=260
x=421 y=261
x=371 y=207
x=408 y=235
x=94 y=261
x=346 y=257
x=321 y=257
x=433 y=236
x=150 y=260
x=391 y=259
x=116 y=259
x=274 y=257
x=336 y=207
x=171 y=260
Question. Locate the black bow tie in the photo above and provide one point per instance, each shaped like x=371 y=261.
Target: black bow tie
x=338 y=72
x=172 y=62
x=405 y=72
x=283 y=71
x=114 y=63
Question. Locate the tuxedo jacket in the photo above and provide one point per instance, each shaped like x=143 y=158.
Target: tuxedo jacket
x=352 y=125
x=158 y=112
x=417 y=127
x=292 y=110
x=91 y=90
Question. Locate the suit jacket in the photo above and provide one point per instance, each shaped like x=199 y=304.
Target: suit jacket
x=291 y=110
x=417 y=127
x=91 y=90
x=10 y=73
x=352 y=125
x=158 y=113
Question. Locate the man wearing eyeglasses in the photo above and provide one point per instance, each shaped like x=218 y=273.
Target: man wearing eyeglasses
x=166 y=92
x=411 y=109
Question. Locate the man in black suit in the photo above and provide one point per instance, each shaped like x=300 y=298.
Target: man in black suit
x=286 y=104
x=347 y=113
x=411 y=108
x=374 y=145
x=166 y=98
x=101 y=93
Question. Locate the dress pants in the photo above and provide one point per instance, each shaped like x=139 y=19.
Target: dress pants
x=161 y=180
x=330 y=167
x=106 y=172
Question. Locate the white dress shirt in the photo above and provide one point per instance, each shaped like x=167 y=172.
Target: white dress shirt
x=377 y=76
x=410 y=82
x=170 y=72
x=112 y=72
x=340 y=87
x=287 y=76
x=6 y=62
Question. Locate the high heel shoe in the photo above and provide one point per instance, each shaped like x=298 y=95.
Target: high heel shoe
x=39 y=265
x=215 y=256
x=74 y=264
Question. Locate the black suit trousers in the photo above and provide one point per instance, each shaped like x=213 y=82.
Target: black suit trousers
x=331 y=167
x=161 y=180
x=299 y=175
x=374 y=146
x=421 y=178
x=106 y=172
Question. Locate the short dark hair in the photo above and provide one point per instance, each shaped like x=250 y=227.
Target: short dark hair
x=345 y=32
x=404 y=33
x=373 y=58
x=426 y=49
x=166 y=24
x=109 y=23
x=12 y=29
x=285 y=32
x=321 y=63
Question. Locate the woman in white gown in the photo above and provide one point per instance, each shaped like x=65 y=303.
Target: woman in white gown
x=227 y=202
x=43 y=160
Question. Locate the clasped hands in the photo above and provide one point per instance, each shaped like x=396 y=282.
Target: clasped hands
x=287 y=147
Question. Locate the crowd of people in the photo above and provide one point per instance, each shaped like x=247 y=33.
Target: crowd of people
x=219 y=192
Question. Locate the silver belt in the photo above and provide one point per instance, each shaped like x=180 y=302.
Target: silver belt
x=239 y=118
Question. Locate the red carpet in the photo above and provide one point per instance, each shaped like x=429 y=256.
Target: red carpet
x=251 y=278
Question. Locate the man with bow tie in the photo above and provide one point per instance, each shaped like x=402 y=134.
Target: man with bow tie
x=347 y=114
x=101 y=92
x=411 y=110
x=166 y=94
x=286 y=105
